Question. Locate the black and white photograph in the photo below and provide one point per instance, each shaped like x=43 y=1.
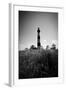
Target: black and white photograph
x=37 y=44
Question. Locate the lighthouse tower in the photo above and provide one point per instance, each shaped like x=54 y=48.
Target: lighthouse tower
x=38 y=38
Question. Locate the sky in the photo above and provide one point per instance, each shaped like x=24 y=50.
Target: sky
x=29 y=21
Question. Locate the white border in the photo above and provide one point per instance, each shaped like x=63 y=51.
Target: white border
x=14 y=45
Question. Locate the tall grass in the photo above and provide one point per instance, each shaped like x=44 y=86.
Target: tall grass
x=38 y=63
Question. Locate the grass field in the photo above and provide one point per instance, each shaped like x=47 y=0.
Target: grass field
x=38 y=63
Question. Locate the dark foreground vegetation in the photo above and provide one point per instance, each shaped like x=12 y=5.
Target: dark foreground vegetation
x=38 y=63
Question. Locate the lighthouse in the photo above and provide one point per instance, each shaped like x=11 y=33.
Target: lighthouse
x=38 y=38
